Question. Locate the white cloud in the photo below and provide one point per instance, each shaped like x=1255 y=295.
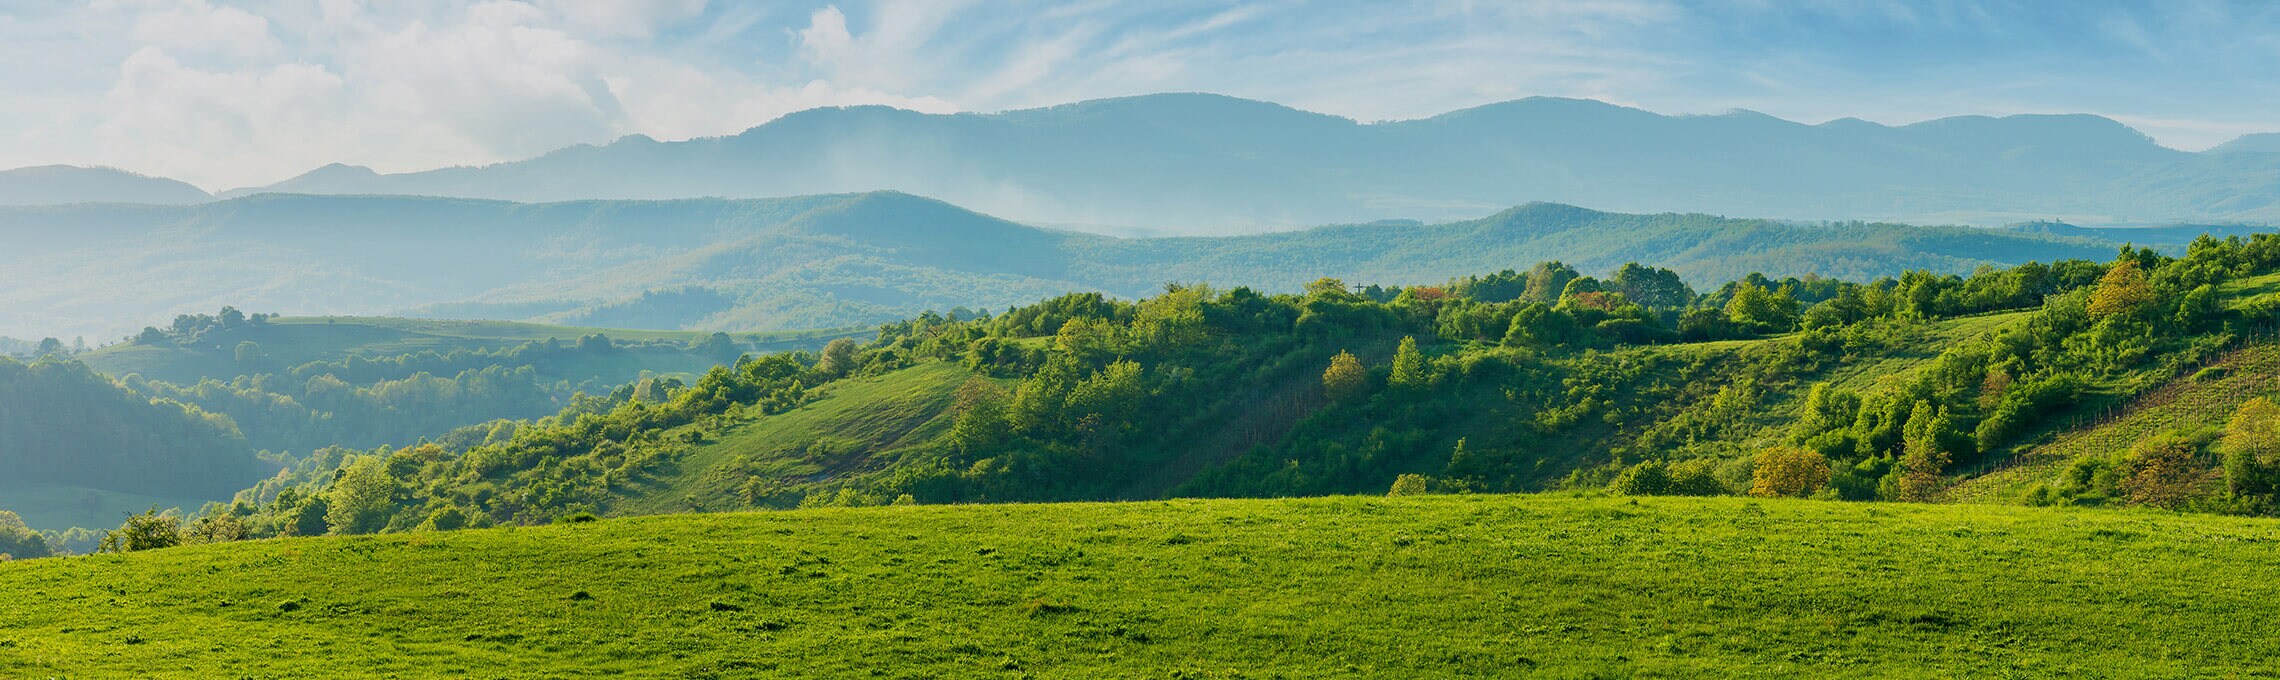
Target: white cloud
x=226 y=93
x=623 y=18
x=196 y=28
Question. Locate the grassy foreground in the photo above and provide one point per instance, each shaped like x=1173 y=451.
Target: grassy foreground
x=1484 y=586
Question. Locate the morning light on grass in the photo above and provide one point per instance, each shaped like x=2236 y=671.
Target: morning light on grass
x=878 y=339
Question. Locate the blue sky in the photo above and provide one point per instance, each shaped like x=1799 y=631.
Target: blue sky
x=229 y=93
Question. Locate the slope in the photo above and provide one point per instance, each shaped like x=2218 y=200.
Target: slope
x=1480 y=586
x=76 y=446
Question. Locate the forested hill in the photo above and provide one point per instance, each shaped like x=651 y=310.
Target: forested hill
x=1908 y=389
x=62 y=426
x=1208 y=164
x=824 y=261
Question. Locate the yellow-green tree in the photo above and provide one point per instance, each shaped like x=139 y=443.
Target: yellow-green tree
x=363 y=498
x=1787 y=471
x=1408 y=365
x=2252 y=445
x=2122 y=290
x=2164 y=472
x=1345 y=378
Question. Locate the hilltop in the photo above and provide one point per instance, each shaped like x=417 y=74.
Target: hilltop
x=1334 y=587
x=64 y=184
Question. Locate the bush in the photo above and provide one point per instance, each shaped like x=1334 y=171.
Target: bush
x=1792 y=472
x=1649 y=478
x=147 y=531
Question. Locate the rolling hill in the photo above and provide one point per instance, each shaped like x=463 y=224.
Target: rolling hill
x=64 y=184
x=827 y=261
x=1208 y=164
x=1478 y=586
x=77 y=449
x=287 y=342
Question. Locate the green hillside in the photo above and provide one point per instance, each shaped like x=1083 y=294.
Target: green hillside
x=1475 y=586
x=77 y=449
x=1891 y=390
x=287 y=342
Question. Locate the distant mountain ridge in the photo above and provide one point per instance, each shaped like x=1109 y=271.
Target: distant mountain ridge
x=1210 y=164
x=65 y=184
x=829 y=261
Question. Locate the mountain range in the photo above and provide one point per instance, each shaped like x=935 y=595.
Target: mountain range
x=838 y=260
x=1209 y=164
x=63 y=184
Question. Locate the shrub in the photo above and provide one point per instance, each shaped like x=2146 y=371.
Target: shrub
x=1649 y=478
x=147 y=531
x=1786 y=471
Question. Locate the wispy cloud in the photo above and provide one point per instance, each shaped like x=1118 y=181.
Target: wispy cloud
x=237 y=92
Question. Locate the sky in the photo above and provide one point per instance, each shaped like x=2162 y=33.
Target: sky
x=228 y=93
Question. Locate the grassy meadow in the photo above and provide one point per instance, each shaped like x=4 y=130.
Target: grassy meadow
x=1442 y=586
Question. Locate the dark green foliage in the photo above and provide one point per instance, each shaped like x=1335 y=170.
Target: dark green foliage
x=20 y=542
x=61 y=424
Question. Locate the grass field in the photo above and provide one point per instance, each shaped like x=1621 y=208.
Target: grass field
x=1453 y=586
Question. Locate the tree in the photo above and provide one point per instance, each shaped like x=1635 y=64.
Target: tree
x=838 y=358
x=363 y=498
x=150 y=530
x=1649 y=478
x=1785 y=471
x=2252 y=444
x=1540 y=325
x=219 y=526
x=18 y=541
x=1410 y=485
x=1547 y=280
x=1922 y=457
x=1345 y=378
x=2124 y=289
x=1762 y=310
x=1652 y=287
x=1408 y=366
x=1327 y=287
x=2163 y=472
x=49 y=346
x=248 y=353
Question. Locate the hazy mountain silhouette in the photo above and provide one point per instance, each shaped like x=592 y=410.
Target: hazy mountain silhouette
x=63 y=184
x=2262 y=142
x=105 y=270
x=1199 y=163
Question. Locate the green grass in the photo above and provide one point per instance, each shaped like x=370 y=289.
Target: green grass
x=1480 y=586
x=865 y=422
